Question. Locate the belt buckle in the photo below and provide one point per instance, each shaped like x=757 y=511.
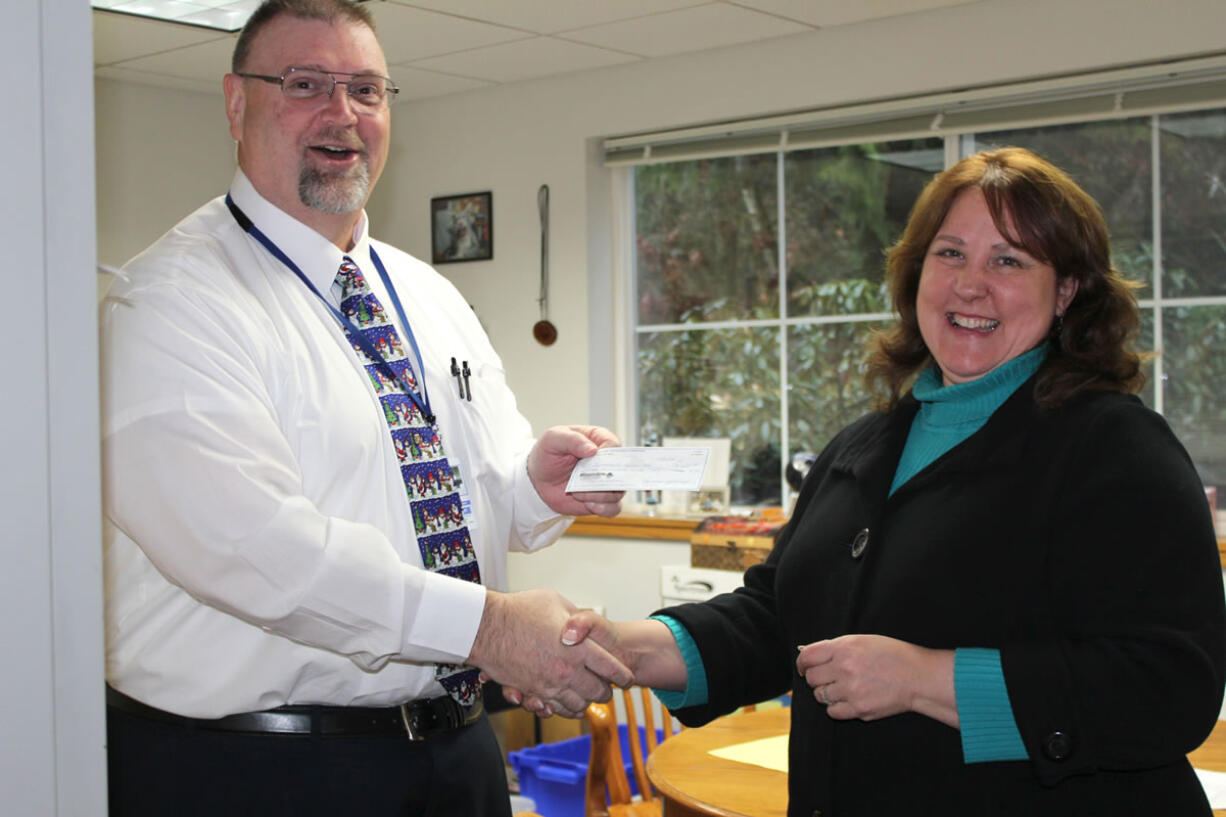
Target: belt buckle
x=410 y=728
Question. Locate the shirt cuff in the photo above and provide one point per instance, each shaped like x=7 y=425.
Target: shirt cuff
x=536 y=524
x=989 y=731
x=695 y=692
x=441 y=616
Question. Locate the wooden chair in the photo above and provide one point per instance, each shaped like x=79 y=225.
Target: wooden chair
x=608 y=789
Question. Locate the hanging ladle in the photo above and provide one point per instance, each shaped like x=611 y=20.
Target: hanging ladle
x=544 y=331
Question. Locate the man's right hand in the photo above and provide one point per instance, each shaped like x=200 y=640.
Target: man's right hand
x=519 y=645
x=645 y=647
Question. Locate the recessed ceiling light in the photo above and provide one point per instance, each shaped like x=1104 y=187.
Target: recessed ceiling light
x=223 y=15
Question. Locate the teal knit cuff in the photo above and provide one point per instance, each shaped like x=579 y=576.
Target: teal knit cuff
x=695 y=692
x=989 y=731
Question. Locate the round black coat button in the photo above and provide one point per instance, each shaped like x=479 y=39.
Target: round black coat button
x=859 y=544
x=1057 y=746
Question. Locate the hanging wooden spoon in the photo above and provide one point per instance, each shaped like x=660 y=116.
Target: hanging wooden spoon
x=543 y=330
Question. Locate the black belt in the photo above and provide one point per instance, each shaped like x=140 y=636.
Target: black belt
x=415 y=720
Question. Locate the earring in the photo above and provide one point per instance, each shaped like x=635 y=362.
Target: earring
x=1058 y=324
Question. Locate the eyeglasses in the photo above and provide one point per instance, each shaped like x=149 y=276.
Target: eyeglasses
x=371 y=91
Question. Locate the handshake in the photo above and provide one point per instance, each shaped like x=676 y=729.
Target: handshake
x=549 y=656
x=554 y=659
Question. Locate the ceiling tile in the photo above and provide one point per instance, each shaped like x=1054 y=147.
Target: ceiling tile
x=207 y=62
x=840 y=12
x=160 y=80
x=221 y=18
x=120 y=37
x=410 y=34
x=226 y=15
x=417 y=84
x=444 y=46
x=676 y=32
x=524 y=59
x=550 y=16
x=162 y=9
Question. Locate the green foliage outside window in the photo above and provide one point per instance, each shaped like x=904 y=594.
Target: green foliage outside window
x=707 y=240
x=727 y=326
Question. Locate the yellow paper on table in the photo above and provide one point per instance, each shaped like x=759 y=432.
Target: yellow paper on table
x=770 y=753
x=1214 y=784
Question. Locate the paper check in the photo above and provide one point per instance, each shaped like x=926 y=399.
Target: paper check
x=641 y=469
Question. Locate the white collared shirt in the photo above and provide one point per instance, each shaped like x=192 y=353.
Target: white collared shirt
x=259 y=546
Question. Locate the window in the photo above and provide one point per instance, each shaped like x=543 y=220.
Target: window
x=759 y=276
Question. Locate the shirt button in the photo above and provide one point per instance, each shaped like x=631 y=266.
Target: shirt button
x=1057 y=746
x=859 y=544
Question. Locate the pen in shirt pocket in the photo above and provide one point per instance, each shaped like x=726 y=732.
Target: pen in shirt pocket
x=461 y=373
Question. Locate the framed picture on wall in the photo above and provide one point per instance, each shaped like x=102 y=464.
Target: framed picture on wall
x=462 y=228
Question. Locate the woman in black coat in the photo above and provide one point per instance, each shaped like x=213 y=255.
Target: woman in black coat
x=1000 y=594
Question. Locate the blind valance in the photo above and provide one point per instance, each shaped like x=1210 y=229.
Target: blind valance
x=1165 y=87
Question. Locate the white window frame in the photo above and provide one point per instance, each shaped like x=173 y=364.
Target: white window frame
x=1143 y=91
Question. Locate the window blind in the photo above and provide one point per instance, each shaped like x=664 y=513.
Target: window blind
x=1165 y=87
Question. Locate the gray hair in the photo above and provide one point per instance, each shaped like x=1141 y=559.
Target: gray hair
x=328 y=11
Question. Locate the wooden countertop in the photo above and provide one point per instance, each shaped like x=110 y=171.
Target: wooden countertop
x=634 y=527
x=679 y=530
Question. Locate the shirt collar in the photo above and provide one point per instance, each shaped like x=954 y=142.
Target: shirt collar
x=316 y=256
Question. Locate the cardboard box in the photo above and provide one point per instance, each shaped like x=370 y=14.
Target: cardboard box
x=733 y=542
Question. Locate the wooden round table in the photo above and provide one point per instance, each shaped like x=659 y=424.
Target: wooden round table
x=693 y=783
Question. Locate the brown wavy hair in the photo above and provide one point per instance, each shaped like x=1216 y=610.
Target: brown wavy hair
x=1056 y=222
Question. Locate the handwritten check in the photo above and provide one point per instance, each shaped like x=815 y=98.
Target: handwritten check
x=641 y=469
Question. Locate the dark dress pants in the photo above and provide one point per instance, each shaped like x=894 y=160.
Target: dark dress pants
x=158 y=770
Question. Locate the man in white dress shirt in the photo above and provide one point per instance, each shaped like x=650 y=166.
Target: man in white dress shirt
x=273 y=632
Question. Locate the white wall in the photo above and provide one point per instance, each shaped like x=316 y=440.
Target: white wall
x=511 y=139
x=51 y=715
x=160 y=155
x=620 y=575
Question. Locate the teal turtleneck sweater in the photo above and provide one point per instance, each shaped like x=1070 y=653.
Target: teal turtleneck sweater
x=947 y=416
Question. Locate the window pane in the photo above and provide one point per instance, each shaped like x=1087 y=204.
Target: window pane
x=1112 y=162
x=707 y=240
x=845 y=206
x=1195 y=368
x=825 y=381
x=717 y=383
x=1145 y=345
x=1193 y=149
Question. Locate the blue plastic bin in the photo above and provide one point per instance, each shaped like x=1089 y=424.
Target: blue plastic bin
x=553 y=774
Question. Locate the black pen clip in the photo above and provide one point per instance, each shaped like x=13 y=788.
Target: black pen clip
x=467 y=387
x=455 y=372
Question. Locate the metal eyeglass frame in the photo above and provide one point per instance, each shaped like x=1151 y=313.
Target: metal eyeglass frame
x=389 y=96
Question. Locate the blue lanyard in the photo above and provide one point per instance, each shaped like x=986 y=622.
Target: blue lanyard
x=421 y=401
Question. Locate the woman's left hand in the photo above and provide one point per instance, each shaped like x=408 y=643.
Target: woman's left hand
x=873 y=676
